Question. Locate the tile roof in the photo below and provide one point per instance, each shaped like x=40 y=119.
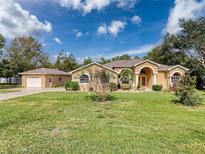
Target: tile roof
x=46 y=71
x=123 y=63
x=164 y=67
x=131 y=63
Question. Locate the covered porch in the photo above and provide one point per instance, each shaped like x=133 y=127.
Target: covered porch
x=145 y=79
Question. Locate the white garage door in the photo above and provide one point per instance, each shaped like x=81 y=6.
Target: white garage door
x=33 y=82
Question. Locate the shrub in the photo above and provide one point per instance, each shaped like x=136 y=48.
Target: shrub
x=157 y=87
x=100 y=84
x=75 y=86
x=125 y=86
x=72 y=85
x=113 y=86
x=186 y=91
x=67 y=85
x=101 y=98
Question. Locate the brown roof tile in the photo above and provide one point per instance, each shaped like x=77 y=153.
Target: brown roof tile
x=46 y=71
x=123 y=63
x=131 y=63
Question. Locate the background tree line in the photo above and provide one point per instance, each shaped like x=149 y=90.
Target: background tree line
x=186 y=48
x=26 y=53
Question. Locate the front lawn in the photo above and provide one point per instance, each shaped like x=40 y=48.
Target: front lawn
x=71 y=123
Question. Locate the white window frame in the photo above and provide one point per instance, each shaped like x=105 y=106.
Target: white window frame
x=85 y=78
x=175 y=78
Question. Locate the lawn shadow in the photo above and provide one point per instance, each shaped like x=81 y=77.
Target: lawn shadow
x=175 y=101
x=96 y=98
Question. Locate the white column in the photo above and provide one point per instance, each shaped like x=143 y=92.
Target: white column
x=137 y=80
x=155 y=79
x=170 y=80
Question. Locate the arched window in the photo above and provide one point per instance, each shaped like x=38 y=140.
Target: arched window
x=126 y=76
x=84 y=79
x=175 y=78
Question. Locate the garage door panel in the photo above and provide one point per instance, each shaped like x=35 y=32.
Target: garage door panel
x=33 y=82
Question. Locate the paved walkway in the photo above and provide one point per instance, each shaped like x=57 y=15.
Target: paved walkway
x=28 y=91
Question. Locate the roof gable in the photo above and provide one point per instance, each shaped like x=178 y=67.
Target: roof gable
x=147 y=61
x=94 y=63
x=45 y=71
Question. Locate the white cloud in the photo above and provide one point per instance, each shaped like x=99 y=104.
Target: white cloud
x=136 y=20
x=90 y=5
x=140 y=50
x=185 y=9
x=57 y=40
x=86 y=6
x=79 y=34
x=126 y=3
x=102 y=29
x=16 y=21
x=114 y=28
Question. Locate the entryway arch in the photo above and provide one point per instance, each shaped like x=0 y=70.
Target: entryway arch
x=146 y=78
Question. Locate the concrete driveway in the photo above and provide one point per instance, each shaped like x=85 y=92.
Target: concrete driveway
x=28 y=91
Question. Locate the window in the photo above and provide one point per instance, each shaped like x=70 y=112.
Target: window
x=84 y=79
x=60 y=79
x=175 y=78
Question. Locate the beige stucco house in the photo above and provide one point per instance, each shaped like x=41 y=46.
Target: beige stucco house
x=44 y=78
x=146 y=73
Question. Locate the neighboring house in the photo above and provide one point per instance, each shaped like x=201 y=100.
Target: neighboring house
x=146 y=73
x=44 y=78
x=9 y=80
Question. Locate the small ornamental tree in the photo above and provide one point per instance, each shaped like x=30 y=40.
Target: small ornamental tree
x=100 y=84
x=186 y=91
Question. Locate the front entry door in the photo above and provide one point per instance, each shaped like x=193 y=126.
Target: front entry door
x=143 y=81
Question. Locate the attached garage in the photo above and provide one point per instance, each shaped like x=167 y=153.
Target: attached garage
x=44 y=78
x=33 y=82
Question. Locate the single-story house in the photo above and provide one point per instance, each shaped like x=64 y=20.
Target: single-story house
x=146 y=73
x=44 y=78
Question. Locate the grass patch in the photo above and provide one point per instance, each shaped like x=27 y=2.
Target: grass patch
x=61 y=122
x=3 y=91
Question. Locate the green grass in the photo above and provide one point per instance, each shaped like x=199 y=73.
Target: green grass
x=3 y=91
x=71 y=123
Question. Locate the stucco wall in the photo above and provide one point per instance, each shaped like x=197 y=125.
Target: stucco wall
x=55 y=80
x=92 y=68
x=175 y=70
x=153 y=67
x=162 y=79
x=45 y=80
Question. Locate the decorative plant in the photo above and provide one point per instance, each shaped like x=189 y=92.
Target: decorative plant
x=186 y=91
x=113 y=86
x=157 y=87
x=126 y=76
x=100 y=84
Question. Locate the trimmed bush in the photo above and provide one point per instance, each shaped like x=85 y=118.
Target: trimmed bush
x=72 y=85
x=113 y=86
x=186 y=91
x=75 y=86
x=157 y=87
x=125 y=86
x=67 y=85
